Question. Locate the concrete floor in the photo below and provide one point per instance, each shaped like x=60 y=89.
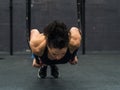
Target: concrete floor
x=93 y=72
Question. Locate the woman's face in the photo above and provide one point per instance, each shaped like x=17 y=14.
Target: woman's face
x=57 y=53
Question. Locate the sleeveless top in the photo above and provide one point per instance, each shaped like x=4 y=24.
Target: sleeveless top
x=44 y=58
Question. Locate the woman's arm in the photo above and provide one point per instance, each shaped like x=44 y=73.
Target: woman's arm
x=74 y=43
x=37 y=44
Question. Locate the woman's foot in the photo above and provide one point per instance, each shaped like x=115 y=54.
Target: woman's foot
x=54 y=71
x=42 y=72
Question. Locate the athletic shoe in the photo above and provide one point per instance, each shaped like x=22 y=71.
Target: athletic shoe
x=42 y=72
x=54 y=71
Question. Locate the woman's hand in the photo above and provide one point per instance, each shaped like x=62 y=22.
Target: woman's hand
x=75 y=61
x=35 y=64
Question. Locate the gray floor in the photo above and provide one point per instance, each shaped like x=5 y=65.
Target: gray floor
x=93 y=72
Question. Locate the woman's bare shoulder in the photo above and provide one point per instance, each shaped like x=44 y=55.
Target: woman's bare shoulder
x=37 y=42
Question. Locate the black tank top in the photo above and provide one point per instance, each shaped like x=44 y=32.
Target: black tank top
x=44 y=58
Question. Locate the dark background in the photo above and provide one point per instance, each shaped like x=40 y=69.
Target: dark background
x=102 y=22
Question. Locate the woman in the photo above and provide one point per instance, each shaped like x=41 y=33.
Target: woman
x=56 y=45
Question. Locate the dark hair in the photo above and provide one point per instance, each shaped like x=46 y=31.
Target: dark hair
x=57 y=35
